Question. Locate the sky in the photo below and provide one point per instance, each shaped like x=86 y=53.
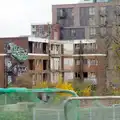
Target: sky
x=16 y=16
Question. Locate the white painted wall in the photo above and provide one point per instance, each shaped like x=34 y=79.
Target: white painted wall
x=68 y=48
x=68 y=63
x=55 y=63
x=68 y=76
x=45 y=40
x=54 y=77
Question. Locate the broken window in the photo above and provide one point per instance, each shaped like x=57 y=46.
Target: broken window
x=52 y=47
x=77 y=75
x=77 y=46
x=85 y=74
x=44 y=64
x=31 y=64
x=45 y=75
x=30 y=47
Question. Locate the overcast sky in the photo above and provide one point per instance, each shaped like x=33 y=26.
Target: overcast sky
x=17 y=15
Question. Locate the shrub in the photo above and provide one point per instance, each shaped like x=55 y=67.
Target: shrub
x=81 y=88
x=23 y=81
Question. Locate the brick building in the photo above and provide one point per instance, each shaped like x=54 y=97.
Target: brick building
x=42 y=31
x=20 y=41
x=90 y=21
x=75 y=52
x=66 y=59
x=81 y=21
x=85 y=21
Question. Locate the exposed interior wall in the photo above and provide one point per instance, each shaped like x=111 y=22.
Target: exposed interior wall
x=68 y=76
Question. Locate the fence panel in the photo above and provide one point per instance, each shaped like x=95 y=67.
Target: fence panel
x=92 y=108
x=48 y=114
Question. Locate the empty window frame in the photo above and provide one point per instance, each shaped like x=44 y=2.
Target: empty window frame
x=73 y=32
x=77 y=46
x=92 y=31
x=103 y=9
x=77 y=75
x=91 y=10
x=85 y=74
x=92 y=21
x=77 y=62
x=103 y=20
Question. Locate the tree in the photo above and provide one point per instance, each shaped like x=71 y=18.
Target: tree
x=110 y=42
